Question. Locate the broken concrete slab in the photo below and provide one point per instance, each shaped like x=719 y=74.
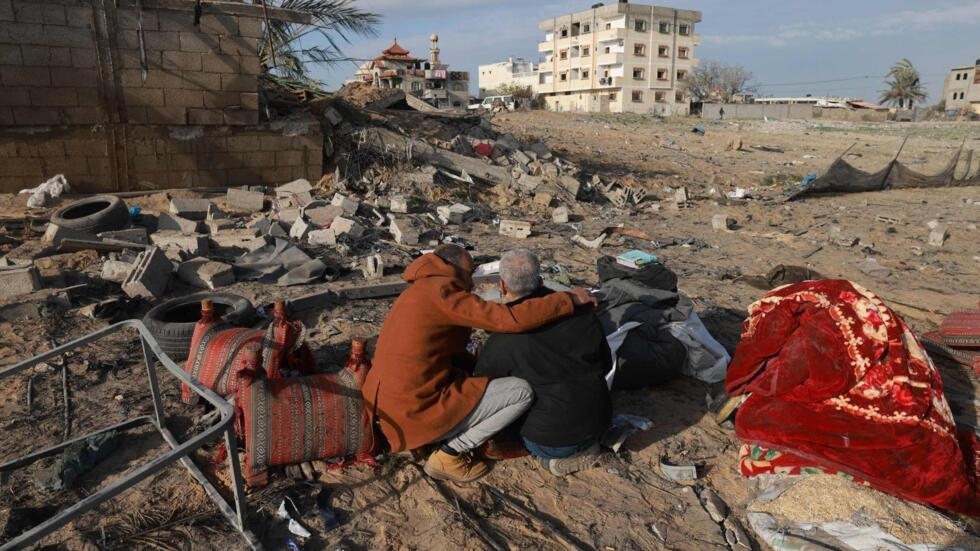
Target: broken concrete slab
x=543 y=199
x=836 y=236
x=541 y=150
x=189 y=208
x=348 y=203
x=404 y=231
x=218 y=225
x=347 y=226
x=549 y=172
x=722 y=222
x=560 y=215
x=517 y=229
x=323 y=216
x=870 y=266
x=150 y=276
x=205 y=273
x=194 y=245
x=240 y=200
x=137 y=236
x=322 y=237
x=519 y=157
x=19 y=280
x=172 y=222
x=296 y=187
x=239 y=239
x=373 y=267
x=289 y=215
x=528 y=183
x=55 y=234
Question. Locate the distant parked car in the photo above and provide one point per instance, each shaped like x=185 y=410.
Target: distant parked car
x=495 y=102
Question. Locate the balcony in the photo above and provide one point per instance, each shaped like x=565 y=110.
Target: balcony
x=611 y=35
x=610 y=59
x=436 y=74
x=545 y=47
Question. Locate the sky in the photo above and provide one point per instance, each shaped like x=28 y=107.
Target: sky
x=792 y=47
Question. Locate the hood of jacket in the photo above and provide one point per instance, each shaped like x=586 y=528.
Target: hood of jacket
x=430 y=265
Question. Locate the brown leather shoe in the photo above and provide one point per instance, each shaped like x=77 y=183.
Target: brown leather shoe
x=460 y=468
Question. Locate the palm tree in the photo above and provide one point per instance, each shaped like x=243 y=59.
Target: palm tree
x=904 y=86
x=285 y=51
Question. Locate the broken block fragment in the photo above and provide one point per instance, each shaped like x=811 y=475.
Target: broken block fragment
x=560 y=215
x=172 y=222
x=190 y=208
x=404 y=231
x=518 y=229
x=205 y=273
x=343 y=226
x=240 y=200
x=349 y=204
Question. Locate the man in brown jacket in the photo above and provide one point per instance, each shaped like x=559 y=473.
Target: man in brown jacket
x=419 y=387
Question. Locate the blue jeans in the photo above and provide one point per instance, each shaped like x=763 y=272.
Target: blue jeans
x=555 y=452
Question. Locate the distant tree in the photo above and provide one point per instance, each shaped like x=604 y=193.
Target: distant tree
x=904 y=86
x=285 y=51
x=513 y=89
x=712 y=80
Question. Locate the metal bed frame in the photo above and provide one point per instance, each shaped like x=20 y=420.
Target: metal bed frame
x=180 y=451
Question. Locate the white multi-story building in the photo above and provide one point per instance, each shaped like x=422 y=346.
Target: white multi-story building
x=430 y=80
x=517 y=71
x=962 y=88
x=619 y=57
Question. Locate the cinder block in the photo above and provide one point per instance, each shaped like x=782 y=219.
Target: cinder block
x=218 y=225
x=196 y=80
x=938 y=235
x=44 y=56
x=176 y=116
x=193 y=245
x=721 y=222
x=217 y=63
x=560 y=215
x=183 y=98
x=190 y=208
x=517 y=229
x=25 y=76
x=82 y=115
x=250 y=65
x=205 y=273
x=236 y=45
x=237 y=82
x=250 y=27
x=150 y=276
x=196 y=42
x=54 y=97
x=399 y=204
x=219 y=24
x=453 y=214
x=205 y=117
x=322 y=237
x=248 y=101
x=240 y=117
x=343 y=226
x=404 y=231
x=137 y=236
x=289 y=215
x=181 y=61
x=570 y=184
x=55 y=234
x=70 y=78
x=238 y=238
x=116 y=270
x=240 y=200
x=349 y=204
x=19 y=280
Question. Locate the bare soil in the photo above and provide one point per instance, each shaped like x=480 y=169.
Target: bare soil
x=627 y=504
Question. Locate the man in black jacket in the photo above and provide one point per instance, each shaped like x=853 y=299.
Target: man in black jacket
x=564 y=362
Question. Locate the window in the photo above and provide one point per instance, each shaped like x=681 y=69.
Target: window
x=679 y=97
x=586 y=28
x=637 y=74
x=640 y=25
x=684 y=29
x=563 y=54
x=416 y=86
x=661 y=74
x=564 y=32
x=585 y=74
x=664 y=27
x=663 y=51
x=606 y=50
x=637 y=96
x=683 y=53
x=585 y=51
x=612 y=97
x=957 y=76
x=660 y=97
x=563 y=76
x=681 y=75
x=608 y=26
x=639 y=49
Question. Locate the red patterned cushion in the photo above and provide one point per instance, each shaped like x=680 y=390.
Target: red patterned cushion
x=961 y=329
x=218 y=356
x=935 y=344
x=292 y=420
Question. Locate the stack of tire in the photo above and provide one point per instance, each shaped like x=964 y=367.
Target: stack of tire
x=172 y=322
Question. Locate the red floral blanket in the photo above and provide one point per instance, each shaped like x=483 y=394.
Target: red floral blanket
x=838 y=380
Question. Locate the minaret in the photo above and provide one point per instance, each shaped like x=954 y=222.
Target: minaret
x=434 y=51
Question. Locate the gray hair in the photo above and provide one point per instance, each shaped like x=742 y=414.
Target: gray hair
x=520 y=270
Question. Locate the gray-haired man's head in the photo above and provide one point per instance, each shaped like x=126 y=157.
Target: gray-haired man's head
x=520 y=272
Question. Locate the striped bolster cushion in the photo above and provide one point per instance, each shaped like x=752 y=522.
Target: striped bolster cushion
x=961 y=329
x=292 y=420
x=217 y=358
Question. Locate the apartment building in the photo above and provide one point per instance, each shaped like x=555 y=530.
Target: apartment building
x=517 y=71
x=961 y=89
x=429 y=80
x=618 y=58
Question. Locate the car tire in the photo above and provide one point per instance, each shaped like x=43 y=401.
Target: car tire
x=93 y=215
x=172 y=322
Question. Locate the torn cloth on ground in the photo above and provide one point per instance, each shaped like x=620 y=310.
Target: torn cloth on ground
x=837 y=379
x=707 y=359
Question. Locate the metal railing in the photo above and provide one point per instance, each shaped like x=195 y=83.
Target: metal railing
x=179 y=451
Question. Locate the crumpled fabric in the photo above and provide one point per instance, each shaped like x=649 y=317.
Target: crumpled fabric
x=53 y=188
x=837 y=379
x=270 y=262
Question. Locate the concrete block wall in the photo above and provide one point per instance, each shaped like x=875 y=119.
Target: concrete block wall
x=194 y=120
